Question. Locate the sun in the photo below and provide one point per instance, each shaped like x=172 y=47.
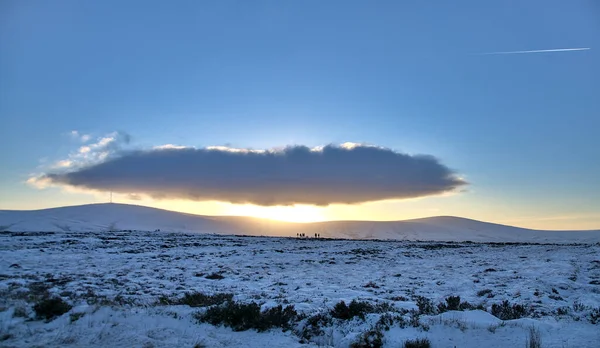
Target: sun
x=295 y=213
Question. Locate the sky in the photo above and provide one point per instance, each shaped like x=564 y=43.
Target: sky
x=305 y=110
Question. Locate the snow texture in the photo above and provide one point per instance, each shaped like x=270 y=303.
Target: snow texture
x=125 y=273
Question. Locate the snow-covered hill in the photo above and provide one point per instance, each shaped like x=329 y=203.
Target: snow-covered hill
x=107 y=217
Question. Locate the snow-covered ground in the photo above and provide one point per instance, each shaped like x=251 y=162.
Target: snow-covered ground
x=116 y=278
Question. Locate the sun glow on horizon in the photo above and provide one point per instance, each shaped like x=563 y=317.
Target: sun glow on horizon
x=295 y=213
x=373 y=211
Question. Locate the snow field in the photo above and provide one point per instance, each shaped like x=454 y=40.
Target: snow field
x=116 y=278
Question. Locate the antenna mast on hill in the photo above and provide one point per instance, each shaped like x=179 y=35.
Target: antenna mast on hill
x=111 y=196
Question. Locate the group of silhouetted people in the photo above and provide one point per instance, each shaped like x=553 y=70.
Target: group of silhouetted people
x=303 y=235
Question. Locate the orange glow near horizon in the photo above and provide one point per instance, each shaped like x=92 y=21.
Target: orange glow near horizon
x=385 y=211
x=519 y=214
x=296 y=213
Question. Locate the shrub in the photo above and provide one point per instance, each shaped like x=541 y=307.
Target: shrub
x=594 y=316
x=355 y=309
x=214 y=276
x=425 y=305
x=417 y=343
x=314 y=325
x=76 y=316
x=198 y=299
x=453 y=303
x=578 y=306
x=398 y=298
x=51 y=308
x=535 y=338
x=415 y=319
x=387 y=320
x=506 y=311
x=241 y=316
x=371 y=285
x=370 y=339
x=563 y=310
x=278 y=317
x=484 y=292
x=38 y=291
x=20 y=312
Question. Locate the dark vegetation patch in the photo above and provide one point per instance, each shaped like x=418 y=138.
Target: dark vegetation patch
x=242 y=316
x=485 y=292
x=60 y=281
x=38 y=291
x=594 y=316
x=361 y=251
x=355 y=309
x=372 y=338
x=399 y=298
x=215 y=276
x=556 y=297
x=415 y=319
x=453 y=303
x=20 y=312
x=437 y=246
x=417 y=343
x=76 y=316
x=314 y=325
x=371 y=285
x=197 y=299
x=387 y=320
x=508 y=311
x=578 y=306
x=425 y=305
x=563 y=310
x=51 y=308
x=358 y=309
x=29 y=234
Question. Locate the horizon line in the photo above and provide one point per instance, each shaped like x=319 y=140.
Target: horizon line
x=301 y=223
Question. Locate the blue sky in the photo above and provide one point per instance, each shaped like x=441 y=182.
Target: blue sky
x=409 y=76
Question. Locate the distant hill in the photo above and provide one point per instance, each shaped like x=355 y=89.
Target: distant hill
x=110 y=216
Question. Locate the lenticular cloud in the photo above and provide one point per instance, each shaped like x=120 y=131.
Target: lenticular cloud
x=348 y=173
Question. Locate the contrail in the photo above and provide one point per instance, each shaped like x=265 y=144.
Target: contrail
x=541 y=51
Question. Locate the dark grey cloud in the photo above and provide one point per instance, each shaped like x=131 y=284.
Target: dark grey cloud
x=294 y=175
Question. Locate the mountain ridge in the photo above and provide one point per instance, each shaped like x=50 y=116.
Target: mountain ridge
x=116 y=216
